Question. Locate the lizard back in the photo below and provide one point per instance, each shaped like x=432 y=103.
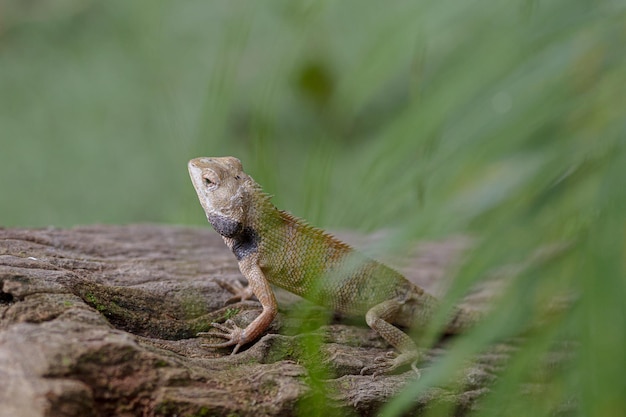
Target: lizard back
x=313 y=264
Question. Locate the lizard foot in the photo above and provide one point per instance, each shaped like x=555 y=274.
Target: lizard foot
x=230 y=331
x=391 y=361
x=239 y=291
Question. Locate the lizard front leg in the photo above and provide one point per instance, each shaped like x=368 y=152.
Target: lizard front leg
x=234 y=334
x=379 y=318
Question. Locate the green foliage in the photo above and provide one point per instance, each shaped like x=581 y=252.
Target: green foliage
x=230 y=313
x=500 y=119
x=95 y=302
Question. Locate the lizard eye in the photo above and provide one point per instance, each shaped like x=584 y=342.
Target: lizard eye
x=209 y=181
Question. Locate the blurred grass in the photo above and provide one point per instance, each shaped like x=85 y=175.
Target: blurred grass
x=504 y=120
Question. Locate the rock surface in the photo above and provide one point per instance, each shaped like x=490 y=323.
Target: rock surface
x=101 y=321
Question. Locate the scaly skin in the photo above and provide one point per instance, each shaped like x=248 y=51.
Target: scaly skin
x=272 y=246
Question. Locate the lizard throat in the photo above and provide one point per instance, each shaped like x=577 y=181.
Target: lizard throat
x=245 y=240
x=225 y=226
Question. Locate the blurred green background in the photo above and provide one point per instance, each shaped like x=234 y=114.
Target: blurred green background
x=505 y=120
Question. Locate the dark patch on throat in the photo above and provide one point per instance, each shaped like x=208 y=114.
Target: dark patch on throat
x=245 y=239
x=246 y=242
x=225 y=226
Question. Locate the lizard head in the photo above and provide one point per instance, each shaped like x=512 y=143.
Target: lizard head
x=220 y=185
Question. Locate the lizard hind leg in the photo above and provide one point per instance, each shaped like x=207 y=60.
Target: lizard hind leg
x=240 y=292
x=379 y=318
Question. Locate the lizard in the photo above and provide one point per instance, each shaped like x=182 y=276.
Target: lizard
x=273 y=246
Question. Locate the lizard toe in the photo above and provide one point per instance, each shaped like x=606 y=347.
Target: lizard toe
x=390 y=361
x=375 y=370
x=240 y=292
x=228 y=330
x=218 y=345
x=227 y=327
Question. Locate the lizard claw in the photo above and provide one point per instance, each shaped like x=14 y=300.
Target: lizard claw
x=390 y=361
x=230 y=331
x=239 y=291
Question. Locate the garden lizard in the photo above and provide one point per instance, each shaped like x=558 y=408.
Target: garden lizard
x=274 y=247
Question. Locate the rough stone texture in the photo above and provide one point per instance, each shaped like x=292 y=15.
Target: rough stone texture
x=101 y=321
